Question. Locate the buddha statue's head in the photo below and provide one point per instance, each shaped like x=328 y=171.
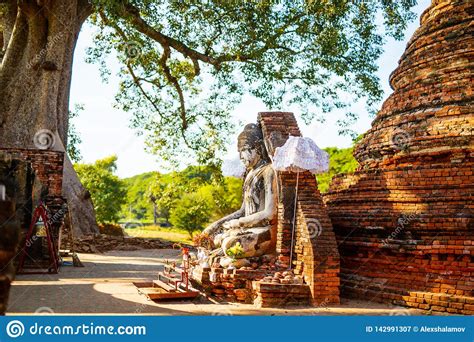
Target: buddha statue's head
x=251 y=146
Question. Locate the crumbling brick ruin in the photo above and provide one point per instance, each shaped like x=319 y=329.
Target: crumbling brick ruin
x=46 y=174
x=404 y=219
x=28 y=175
x=317 y=257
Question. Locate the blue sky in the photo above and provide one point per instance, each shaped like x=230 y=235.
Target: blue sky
x=105 y=130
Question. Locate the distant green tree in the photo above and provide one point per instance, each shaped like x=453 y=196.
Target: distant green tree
x=166 y=189
x=195 y=176
x=224 y=197
x=191 y=213
x=165 y=193
x=341 y=160
x=138 y=205
x=106 y=189
x=156 y=193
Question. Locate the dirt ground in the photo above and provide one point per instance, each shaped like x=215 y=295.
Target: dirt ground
x=104 y=286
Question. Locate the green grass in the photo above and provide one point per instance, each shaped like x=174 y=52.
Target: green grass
x=170 y=234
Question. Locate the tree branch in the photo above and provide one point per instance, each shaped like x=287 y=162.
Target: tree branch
x=133 y=14
x=135 y=78
x=142 y=26
x=163 y=63
x=84 y=10
x=175 y=83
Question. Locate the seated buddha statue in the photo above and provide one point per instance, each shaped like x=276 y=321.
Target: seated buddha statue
x=251 y=226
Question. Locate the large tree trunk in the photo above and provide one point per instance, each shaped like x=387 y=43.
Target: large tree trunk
x=39 y=37
x=35 y=75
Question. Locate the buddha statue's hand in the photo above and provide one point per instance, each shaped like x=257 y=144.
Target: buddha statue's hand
x=214 y=229
x=231 y=224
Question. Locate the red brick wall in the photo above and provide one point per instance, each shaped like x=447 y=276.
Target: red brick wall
x=316 y=255
x=404 y=219
x=48 y=168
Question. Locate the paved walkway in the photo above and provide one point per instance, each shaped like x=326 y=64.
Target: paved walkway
x=104 y=286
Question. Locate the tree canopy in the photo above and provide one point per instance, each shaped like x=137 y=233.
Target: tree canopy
x=192 y=213
x=187 y=63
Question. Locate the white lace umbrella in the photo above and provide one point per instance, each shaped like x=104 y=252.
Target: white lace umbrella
x=300 y=154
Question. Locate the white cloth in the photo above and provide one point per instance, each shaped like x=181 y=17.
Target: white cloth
x=300 y=154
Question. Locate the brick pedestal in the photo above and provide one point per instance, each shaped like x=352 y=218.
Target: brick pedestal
x=315 y=256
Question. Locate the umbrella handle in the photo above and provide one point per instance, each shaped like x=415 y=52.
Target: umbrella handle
x=294 y=220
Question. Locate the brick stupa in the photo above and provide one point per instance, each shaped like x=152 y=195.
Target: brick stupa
x=404 y=219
